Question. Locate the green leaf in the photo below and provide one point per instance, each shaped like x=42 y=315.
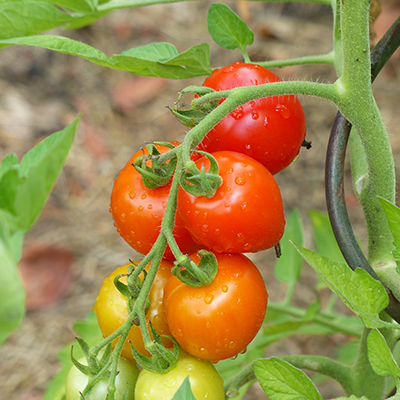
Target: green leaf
x=380 y=356
x=75 y=5
x=392 y=213
x=227 y=29
x=281 y=381
x=352 y=398
x=184 y=392
x=29 y=17
x=12 y=292
x=288 y=266
x=9 y=183
x=62 y=45
x=365 y=296
x=156 y=59
x=163 y=60
x=90 y=331
x=324 y=238
x=39 y=169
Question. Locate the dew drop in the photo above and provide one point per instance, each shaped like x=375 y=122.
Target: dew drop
x=209 y=299
x=239 y=180
x=233 y=357
x=244 y=350
x=229 y=171
x=232 y=345
x=204 y=228
x=237 y=113
x=150 y=207
x=197 y=213
x=164 y=204
x=140 y=208
x=243 y=206
x=254 y=115
x=265 y=121
x=227 y=205
x=240 y=237
x=252 y=103
x=285 y=112
x=198 y=312
x=132 y=195
x=224 y=288
x=143 y=196
x=122 y=217
x=216 y=231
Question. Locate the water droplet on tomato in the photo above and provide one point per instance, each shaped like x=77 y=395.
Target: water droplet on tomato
x=243 y=206
x=140 y=208
x=209 y=299
x=143 y=196
x=197 y=213
x=239 y=180
x=248 y=150
x=244 y=350
x=254 y=115
x=240 y=237
x=204 y=228
x=233 y=357
x=164 y=204
x=232 y=345
x=198 y=312
x=229 y=171
x=132 y=195
x=122 y=217
x=224 y=288
x=227 y=205
x=150 y=207
x=216 y=231
x=265 y=121
x=237 y=113
x=285 y=112
x=252 y=103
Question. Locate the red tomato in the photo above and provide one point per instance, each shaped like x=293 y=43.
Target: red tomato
x=112 y=310
x=138 y=211
x=270 y=129
x=218 y=321
x=246 y=213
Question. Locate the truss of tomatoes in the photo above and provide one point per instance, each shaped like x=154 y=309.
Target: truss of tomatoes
x=245 y=215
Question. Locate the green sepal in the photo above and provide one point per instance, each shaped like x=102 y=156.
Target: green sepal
x=162 y=359
x=158 y=174
x=199 y=182
x=191 y=274
x=85 y=369
x=189 y=117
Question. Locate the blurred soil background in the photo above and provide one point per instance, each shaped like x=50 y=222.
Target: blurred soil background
x=74 y=245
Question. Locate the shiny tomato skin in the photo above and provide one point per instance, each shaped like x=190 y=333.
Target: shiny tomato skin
x=138 y=211
x=218 y=321
x=205 y=382
x=112 y=311
x=270 y=129
x=245 y=215
x=127 y=375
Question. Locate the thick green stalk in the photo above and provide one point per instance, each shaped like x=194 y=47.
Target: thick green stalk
x=358 y=105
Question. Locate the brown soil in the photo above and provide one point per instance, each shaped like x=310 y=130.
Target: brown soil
x=40 y=92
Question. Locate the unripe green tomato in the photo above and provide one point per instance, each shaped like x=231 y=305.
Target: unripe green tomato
x=127 y=376
x=205 y=382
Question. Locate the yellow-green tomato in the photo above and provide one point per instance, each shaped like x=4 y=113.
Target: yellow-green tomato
x=127 y=376
x=205 y=382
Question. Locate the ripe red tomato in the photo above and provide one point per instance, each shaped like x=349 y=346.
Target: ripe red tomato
x=112 y=310
x=138 y=211
x=246 y=213
x=270 y=129
x=218 y=321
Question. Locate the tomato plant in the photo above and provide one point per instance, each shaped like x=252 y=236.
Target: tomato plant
x=270 y=129
x=208 y=321
x=126 y=379
x=112 y=310
x=245 y=214
x=205 y=382
x=138 y=211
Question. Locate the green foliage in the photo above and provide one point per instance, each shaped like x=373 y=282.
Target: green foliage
x=227 y=29
x=24 y=189
x=184 y=392
x=281 y=381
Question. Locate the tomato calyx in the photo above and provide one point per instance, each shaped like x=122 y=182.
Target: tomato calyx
x=162 y=359
x=191 y=117
x=160 y=172
x=95 y=367
x=306 y=144
x=197 y=275
x=199 y=182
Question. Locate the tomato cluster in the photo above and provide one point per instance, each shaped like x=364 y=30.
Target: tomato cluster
x=215 y=321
